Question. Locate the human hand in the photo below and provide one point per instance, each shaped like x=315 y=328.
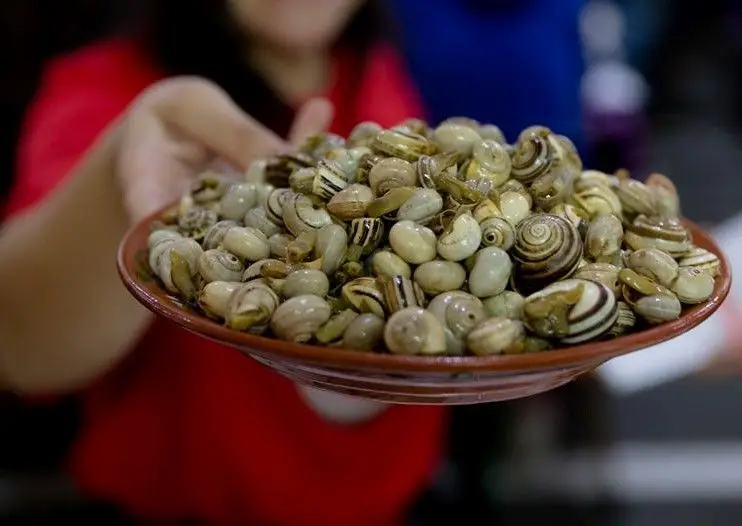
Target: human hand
x=178 y=126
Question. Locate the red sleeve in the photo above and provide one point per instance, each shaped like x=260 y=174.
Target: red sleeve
x=80 y=94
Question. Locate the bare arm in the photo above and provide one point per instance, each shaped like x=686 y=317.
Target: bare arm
x=65 y=318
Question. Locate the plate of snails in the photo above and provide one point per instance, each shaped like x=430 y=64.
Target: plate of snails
x=428 y=265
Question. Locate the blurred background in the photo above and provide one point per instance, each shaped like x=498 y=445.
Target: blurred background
x=650 y=85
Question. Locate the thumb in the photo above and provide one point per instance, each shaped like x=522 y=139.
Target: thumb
x=312 y=118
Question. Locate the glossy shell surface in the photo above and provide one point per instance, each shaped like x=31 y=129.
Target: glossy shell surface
x=411 y=379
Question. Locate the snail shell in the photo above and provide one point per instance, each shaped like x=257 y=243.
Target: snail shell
x=300 y=215
x=177 y=277
x=658 y=308
x=251 y=306
x=653 y=302
x=491 y=160
x=195 y=221
x=654 y=264
x=412 y=242
x=331 y=245
x=427 y=169
x=703 y=259
x=391 y=173
x=351 y=202
x=507 y=304
x=402 y=143
x=321 y=144
x=572 y=311
x=553 y=187
x=636 y=198
x=391 y=201
x=603 y=238
x=414 y=331
x=257 y=218
x=458 y=312
x=305 y=281
x=208 y=187
x=491 y=272
x=597 y=200
x=665 y=233
x=365 y=295
x=590 y=178
x=335 y=327
x=302 y=180
x=279 y=245
x=497 y=232
x=274 y=204
x=625 y=321
x=605 y=273
x=665 y=194
x=366 y=233
x=248 y=243
x=349 y=160
x=515 y=206
x=571 y=213
x=533 y=157
x=435 y=277
x=329 y=179
x=219 y=265
x=214 y=298
x=237 y=200
x=364 y=134
x=364 y=333
x=494 y=336
x=215 y=234
x=400 y=292
x=693 y=285
x=255 y=271
x=460 y=239
x=414 y=125
x=157 y=250
x=424 y=204
x=298 y=318
x=547 y=248
x=387 y=263
x=453 y=137
x=157 y=237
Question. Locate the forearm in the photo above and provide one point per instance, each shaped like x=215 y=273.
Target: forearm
x=65 y=318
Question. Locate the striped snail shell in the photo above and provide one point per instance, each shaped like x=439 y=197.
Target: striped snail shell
x=665 y=233
x=572 y=311
x=301 y=215
x=547 y=248
x=403 y=144
x=366 y=232
x=701 y=258
x=400 y=292
x=329 y=179
x=497 y=232
x=533 y=157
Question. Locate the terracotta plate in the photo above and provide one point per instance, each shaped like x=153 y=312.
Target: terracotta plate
x=404 y=379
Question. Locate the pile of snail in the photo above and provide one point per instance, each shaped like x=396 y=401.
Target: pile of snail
x=420 y=240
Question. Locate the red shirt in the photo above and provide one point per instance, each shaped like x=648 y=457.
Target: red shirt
x=186 y=428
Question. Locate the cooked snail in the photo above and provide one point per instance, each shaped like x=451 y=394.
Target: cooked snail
x=419 y=240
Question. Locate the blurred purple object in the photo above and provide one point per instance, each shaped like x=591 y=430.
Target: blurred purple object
x=627 y=131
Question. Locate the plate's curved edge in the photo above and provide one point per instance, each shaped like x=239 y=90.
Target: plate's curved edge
x=163 y=305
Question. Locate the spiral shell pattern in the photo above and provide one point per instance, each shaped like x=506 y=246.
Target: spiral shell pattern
x=547 y=248
x=533 y=157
